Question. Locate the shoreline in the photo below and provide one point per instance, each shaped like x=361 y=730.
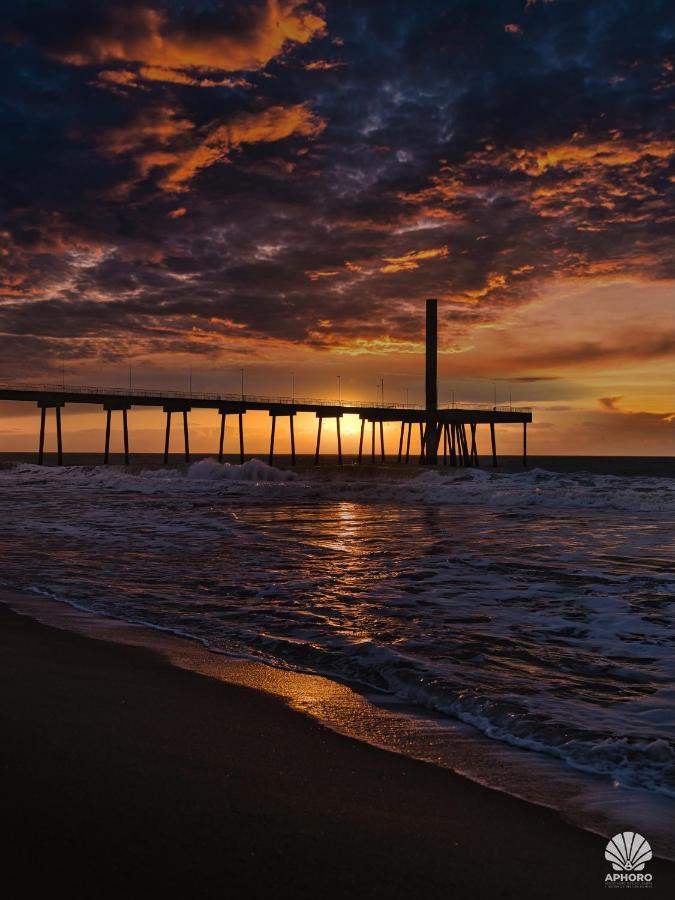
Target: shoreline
x=525 y=832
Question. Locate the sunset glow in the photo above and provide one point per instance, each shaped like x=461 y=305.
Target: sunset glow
x=280 y=188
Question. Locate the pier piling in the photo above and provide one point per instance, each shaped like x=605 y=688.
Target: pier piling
x=109 y=408
x=167 y=436
x=43 y=407
x=59 y=443
x=274 y=426
x=125 y=428
x=186 y=436
x=106 y=452
x=318 y=440
x=222 y=437
x=43 y=413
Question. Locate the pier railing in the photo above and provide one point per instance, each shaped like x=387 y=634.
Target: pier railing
x=61 y=388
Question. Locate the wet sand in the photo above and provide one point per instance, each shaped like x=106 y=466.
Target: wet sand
x=123 y=776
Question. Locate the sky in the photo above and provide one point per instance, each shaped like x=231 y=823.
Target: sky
x=276 y=186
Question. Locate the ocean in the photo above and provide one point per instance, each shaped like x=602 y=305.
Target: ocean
x=533 y=609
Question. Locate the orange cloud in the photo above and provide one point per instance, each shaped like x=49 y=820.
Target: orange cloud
x=273 y=124
x=156 y=73
x=315 y=275
x=609 y=403
x=323 y=65
x=590 y=185
x=118 y=76
x=576 y=154
x=161 y=139
x=411 y=260
x=258 y=33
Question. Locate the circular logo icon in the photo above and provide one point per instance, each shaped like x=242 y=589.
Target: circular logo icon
x=628 y=852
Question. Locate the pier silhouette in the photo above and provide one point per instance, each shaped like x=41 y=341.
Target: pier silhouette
x=448 y=431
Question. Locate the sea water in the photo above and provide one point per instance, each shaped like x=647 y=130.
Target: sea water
x=536 y=608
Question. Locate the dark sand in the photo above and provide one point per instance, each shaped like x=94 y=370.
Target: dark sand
x=123 y=776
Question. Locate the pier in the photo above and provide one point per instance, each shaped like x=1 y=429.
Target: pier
x=447 y=432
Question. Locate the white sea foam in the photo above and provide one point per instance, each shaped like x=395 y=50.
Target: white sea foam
x=253 y=470
x=531 y=489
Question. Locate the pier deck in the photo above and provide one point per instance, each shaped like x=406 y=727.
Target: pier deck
x=446 y=422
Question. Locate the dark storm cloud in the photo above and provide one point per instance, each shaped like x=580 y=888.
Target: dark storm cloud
x=179 y=177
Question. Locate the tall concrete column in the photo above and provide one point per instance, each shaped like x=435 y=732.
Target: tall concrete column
x=431 y=393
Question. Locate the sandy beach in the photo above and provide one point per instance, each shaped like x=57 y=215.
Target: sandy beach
x=109 y=798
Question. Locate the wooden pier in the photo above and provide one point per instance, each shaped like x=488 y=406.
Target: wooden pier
x=450 y=429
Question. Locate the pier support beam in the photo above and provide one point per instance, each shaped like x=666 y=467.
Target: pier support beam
x=333 y=414
x=372 y=441
x=474 y=448
x=59 y=443
x=274 y=413
x=422 y=444
x=125 y=427
x=106 y=452
x=222 y=437
x=525 y=443
x=493 y=441
x=292 y=427
x=43 y=407
x=407 y=443
x=186 y=436
x=241 y=438
x=318 y=441
x=169 y=409
x=167 y=436
x=109 y=409
x=382 y=458
x=400 y=443
x=363 y=425
x=274 y=428
x=41 y=452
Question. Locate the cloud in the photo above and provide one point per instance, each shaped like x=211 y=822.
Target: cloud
x=609 y=403
x=411 y=260
x=162 y=140
x=444 y=158
x=245 y=38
